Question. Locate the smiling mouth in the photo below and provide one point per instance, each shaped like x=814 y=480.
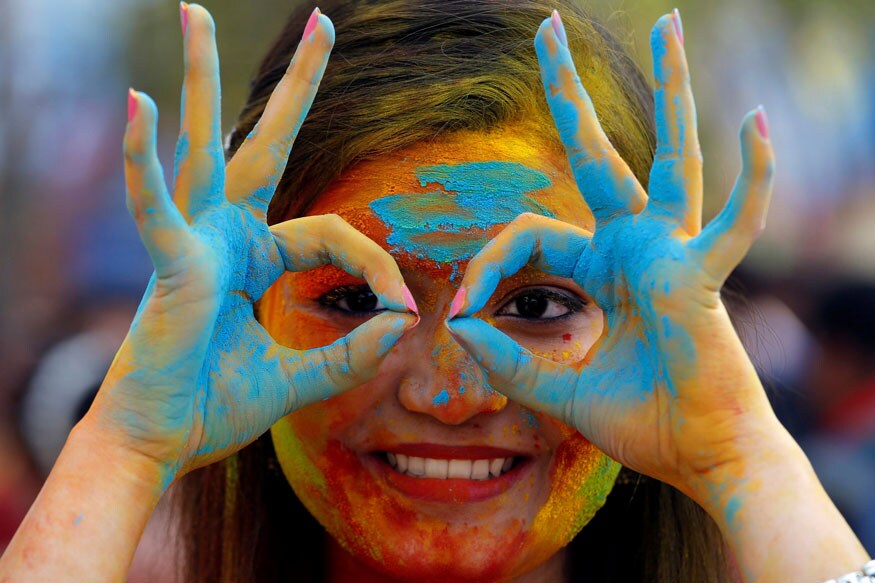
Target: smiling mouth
x=443 y=469
x=448 y=474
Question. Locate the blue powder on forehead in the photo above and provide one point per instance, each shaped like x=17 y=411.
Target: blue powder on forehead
x=472 y=198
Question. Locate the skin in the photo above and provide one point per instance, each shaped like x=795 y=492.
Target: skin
x=670 y=359
x=429 y=390
x=165 y=407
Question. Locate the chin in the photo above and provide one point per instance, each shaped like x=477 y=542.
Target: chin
x=457 y=554
x=419 y=528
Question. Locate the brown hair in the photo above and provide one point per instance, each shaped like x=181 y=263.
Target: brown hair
x=403 y=71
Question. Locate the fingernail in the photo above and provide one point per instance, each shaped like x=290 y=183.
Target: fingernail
x=408 y=300
x=132 y=104
x=558 y=28
x=678 y=24
x=311 y=24
x=762 y=122
x=183 y=16
x=458 y=300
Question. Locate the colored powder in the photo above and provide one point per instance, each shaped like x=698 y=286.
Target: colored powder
x=732 y=507
x=441 y=398
x=474 y=197
x=182 y=147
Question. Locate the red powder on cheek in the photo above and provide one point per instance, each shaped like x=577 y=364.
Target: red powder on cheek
x=566 y=337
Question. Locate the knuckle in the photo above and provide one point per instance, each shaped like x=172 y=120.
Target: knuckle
x=524 y=222
x=134 y=152
x=762 y=168
x=334 y=221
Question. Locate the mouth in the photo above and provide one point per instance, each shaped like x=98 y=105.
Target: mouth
x=450 y=474
x=442 y=469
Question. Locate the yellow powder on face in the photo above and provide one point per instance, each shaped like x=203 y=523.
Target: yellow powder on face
x=581 y=484
x=368 y=518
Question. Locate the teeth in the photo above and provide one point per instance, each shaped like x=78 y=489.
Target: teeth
x=416 y=466
x=436 y=468
x=495 y=466
x=460 y=469
x=480 y=470
x=455 y=469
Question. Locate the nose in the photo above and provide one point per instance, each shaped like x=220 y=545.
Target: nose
x=441 y=379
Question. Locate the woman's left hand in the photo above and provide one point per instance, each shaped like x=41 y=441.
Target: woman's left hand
x=669 y=390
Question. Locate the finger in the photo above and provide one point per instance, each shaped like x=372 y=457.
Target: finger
x=547 y=244
x=255 y=170
x=199 y=163
x=162 y=229
x=308 y=242
x=605 y=181
x=535 y=382
x=347 y=363
x=727 y=238
x=675 y=186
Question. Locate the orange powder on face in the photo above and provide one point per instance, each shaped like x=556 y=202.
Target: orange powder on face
x=376 y=524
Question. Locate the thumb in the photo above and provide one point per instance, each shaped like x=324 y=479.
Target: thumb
x=537 y=383
x=351 y=361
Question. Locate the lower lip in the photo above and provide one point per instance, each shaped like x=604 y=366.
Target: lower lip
x=450 y=490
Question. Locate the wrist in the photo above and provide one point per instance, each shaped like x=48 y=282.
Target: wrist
x=104 y=448
x=760 y=457
x=776 y=518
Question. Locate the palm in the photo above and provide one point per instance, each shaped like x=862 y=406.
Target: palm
x=228 y=408
x=657 y=283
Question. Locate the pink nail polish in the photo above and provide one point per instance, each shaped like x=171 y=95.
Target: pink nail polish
x=183 y=16
x=678 y=24
x=456 y=305
x=311 y=24
x=408 y=300
x=559 y=28
x=762 y=122
x=132 y=104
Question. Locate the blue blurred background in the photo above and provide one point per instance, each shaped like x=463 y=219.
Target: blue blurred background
x=73 y=269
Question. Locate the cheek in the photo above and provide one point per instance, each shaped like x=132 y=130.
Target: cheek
x=581 y=479
x=319 y=470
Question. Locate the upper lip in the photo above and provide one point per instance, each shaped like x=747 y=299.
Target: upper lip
x=451 y=452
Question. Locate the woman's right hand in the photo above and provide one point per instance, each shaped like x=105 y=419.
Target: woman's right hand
x=197 y=377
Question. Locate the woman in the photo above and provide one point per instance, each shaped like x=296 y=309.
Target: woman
x=495 y=344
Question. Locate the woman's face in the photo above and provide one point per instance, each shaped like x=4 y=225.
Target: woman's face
x=427 y=470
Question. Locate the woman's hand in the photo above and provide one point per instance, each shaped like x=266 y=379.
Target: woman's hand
x=198 y=378
x=668 y=390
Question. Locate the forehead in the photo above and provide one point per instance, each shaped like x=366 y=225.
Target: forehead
x=441 y=201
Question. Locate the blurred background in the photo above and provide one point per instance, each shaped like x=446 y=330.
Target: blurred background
x=73 y=269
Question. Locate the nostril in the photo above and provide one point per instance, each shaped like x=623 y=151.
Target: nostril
x=452 y=406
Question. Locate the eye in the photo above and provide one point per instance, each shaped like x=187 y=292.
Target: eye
x=542 y=304
x=353 y=299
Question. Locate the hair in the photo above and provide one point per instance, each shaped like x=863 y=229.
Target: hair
x=403 y=71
